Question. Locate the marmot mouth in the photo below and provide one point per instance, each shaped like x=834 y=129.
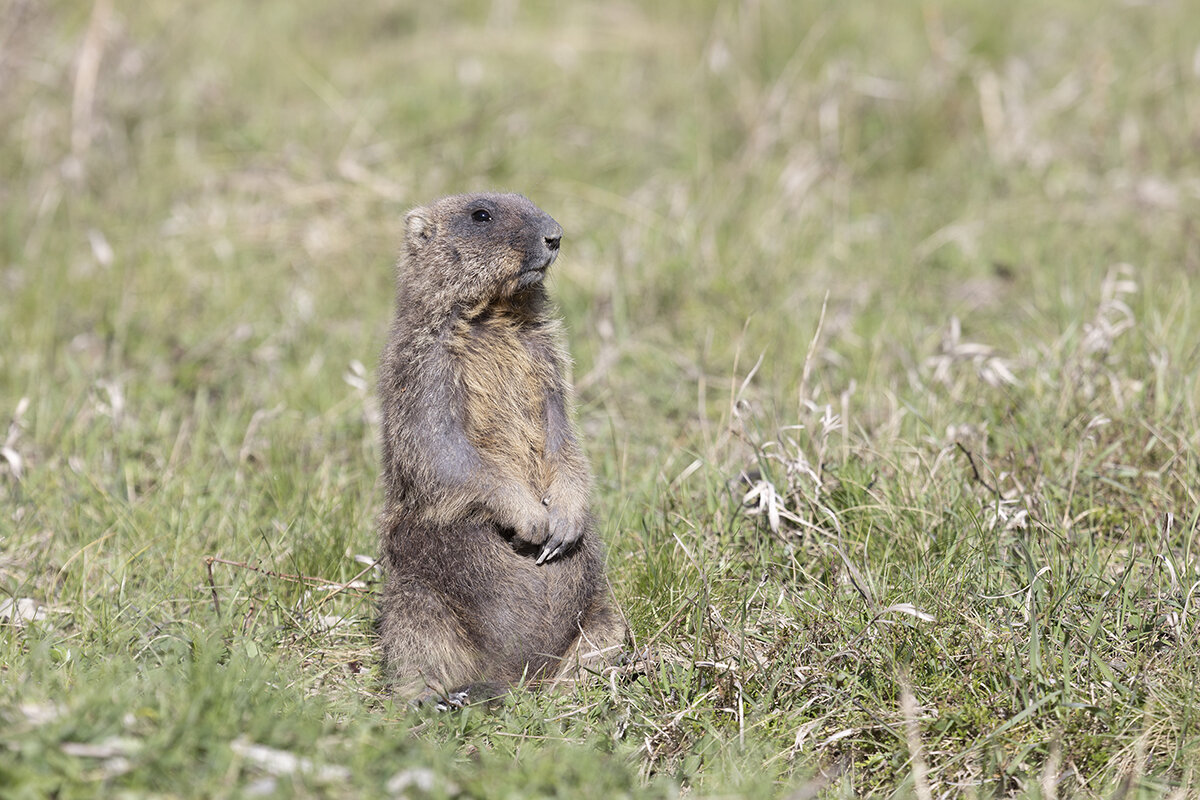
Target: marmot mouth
x=530 y=276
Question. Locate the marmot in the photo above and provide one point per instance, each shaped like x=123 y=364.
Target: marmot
x=494 y=570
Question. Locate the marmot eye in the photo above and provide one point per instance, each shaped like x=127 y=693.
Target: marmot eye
x=479 y=215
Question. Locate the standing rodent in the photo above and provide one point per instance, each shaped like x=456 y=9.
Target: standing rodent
x=494 y=570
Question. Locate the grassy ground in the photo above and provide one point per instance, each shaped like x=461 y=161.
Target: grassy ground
x=886 y=343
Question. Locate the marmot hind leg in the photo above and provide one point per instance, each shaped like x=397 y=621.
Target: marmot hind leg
x=600 y=642
x=425 y=650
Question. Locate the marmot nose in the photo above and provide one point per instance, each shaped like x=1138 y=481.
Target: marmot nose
x=552 y=242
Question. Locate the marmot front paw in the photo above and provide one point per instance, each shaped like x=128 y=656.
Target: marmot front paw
x=532 y=527
x=565 y=530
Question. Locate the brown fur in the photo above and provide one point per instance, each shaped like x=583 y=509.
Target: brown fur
x=494 y=568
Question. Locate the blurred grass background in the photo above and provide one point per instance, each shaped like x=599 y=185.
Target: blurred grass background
x=955 y=242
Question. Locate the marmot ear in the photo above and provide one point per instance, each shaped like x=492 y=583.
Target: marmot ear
x=419 y=227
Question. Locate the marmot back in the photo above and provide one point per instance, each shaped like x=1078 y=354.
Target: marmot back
x=494 y=569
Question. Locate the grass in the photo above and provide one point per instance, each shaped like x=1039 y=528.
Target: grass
x=885 y=334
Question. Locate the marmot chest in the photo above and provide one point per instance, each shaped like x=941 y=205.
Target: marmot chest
x=506 y=373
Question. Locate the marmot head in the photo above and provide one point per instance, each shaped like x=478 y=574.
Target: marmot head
x=470 y=249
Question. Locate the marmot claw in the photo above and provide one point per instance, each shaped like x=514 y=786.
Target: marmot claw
x=565 y=531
